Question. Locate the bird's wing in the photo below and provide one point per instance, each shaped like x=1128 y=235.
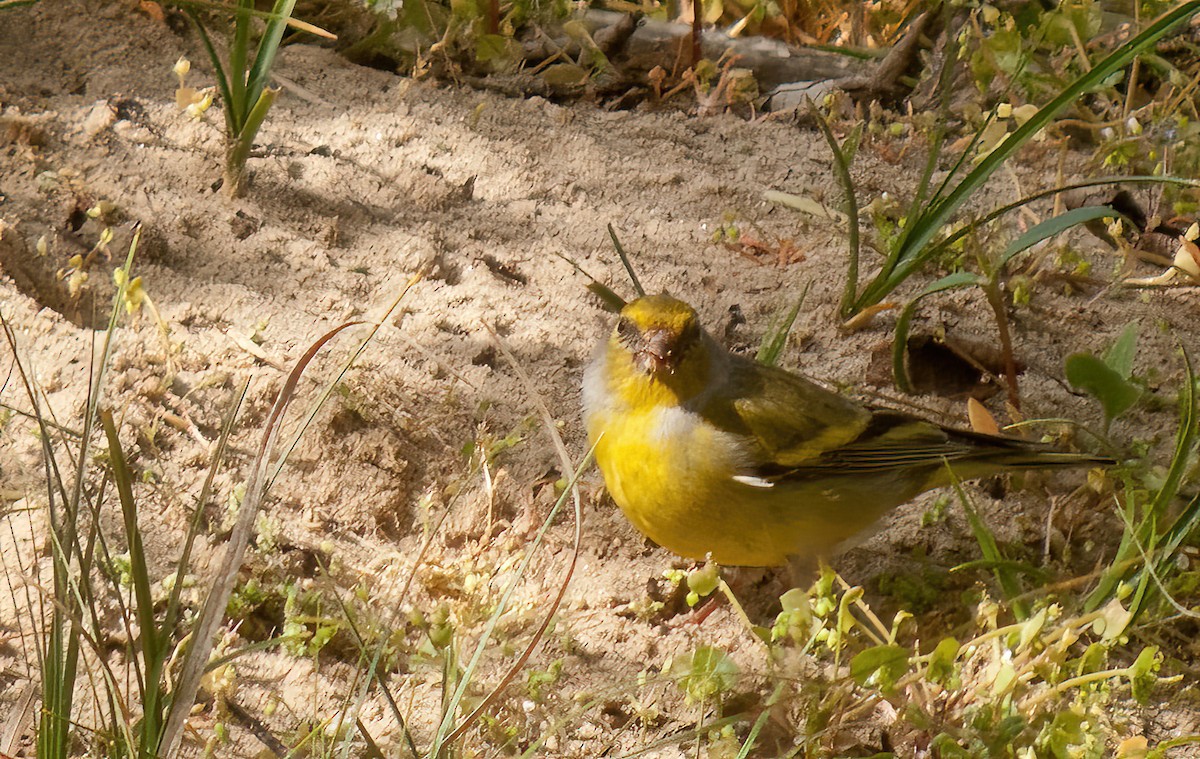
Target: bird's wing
x=893 y=440
x=789 y=420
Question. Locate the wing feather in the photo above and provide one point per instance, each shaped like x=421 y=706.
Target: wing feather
x=788 y=420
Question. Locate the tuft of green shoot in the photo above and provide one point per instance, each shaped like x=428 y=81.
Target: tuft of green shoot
x=243 y=78
x=933 y=208
x=1151 y=539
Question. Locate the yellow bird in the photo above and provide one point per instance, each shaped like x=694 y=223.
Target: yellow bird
x=711 y=454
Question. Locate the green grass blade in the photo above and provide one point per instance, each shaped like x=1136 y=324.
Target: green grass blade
x=1050 y=228
x=63 y=642
x=153 y=654
x=1185 y=441
x=776 y=339
x=268 y=48
x=222 y=77
x=244 y=139
x=1003 y=569
x=621 y=254
x=914 y=251
x=761 y=722
x=238 y=103
x=841 y=170
x=968 y=227
x=171 y=617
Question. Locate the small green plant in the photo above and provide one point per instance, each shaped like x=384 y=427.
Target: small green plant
x=706 y=675
x=1108 y=379
x=243 y=80
x=1154 y=530
x=1044 y=685
x=73 y=628
x=923 y=235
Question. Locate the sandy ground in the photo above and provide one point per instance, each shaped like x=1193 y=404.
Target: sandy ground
x=365 y=179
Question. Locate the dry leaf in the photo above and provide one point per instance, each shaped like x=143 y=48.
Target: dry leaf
x=981 y=419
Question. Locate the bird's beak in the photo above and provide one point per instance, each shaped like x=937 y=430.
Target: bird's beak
x=657 y=352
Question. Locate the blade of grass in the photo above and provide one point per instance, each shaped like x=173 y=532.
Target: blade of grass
x=153 y=649
x=841 y=170
x=637 y=286
x=268 y=48
x=243 y=139
x=238 y=50
x=1038 y=233
x=1002 y=568
x=776 y=339
x=213 y=613
x=1050 y=228
x=940 y=128
x=969 y=227
x=223 y=7
x=761 y=722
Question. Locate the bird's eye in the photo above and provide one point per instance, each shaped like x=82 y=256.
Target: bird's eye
x=626 y=329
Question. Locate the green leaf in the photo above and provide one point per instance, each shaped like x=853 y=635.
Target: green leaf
x=1054 y=226
x=704 y=580
x=1093 y=376
x=464 y=10
x=1094 y=659
x=491 y=47
x=945 y=746
x=1119 y=356
x=707 y=673
x=565 y=74
x=1143 y=673
x=1064 y=734
x=776 y=338
x=880 y=665
x=942 y=669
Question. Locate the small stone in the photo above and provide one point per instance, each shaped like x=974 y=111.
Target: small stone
x=101 y=117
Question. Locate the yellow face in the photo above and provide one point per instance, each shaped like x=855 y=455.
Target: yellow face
x=659 y=332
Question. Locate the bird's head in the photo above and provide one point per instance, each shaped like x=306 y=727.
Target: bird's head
x=659 y=332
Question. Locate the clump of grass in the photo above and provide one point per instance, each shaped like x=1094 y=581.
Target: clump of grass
x=1041 y=686
x=923 y=235
x=67 y=620
x=141 y=714
x=243 y=76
